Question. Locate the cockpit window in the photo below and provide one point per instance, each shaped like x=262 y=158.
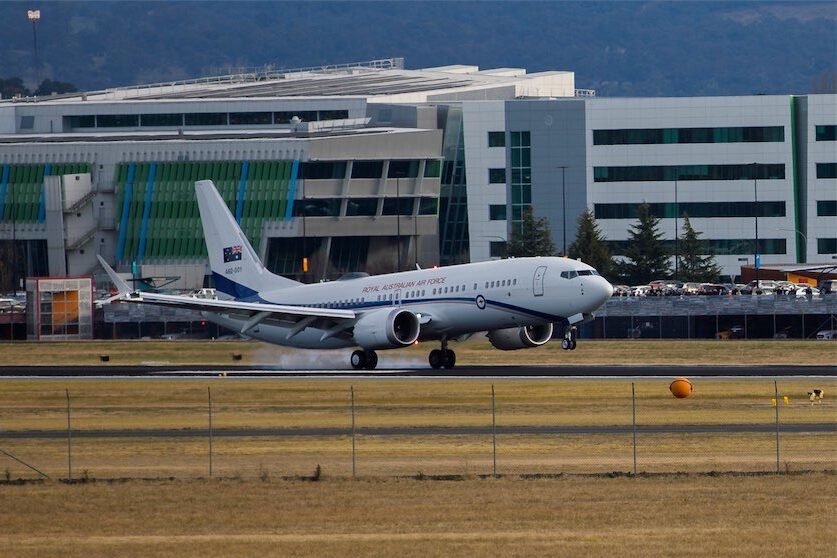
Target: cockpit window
x=585 y=272
x=569 y=274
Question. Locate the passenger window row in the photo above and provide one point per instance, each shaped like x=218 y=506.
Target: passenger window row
x=501 y=283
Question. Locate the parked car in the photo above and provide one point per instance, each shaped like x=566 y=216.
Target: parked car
x=621 y=290
x=640 y=290
x=828 y=286
x=827 y=334
x=691 y=288
x=760 y=287
x=712 y=289
x=802 y=292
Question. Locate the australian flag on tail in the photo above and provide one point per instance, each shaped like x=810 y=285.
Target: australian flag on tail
x=232 y=253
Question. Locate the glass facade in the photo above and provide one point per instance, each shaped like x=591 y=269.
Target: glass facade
x=688 y=173
x=428 y=206
x=826 y=170
x=323 y=170
x=250 y=118
x=432 y=168
x=260 y=118
x=161 y=120
x=367 y=169
x=689 y=135
x=718 y=247
x=117 y=121
x=497 y=249
x=403 y=169
x=361 y=207
x=826 y=133
x=205 y=119
x=827 y=208
x=521 y=177
x=692 y=209
x=453 y=201
x=398 y=206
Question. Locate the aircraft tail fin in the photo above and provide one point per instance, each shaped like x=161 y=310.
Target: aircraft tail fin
x=236 y=268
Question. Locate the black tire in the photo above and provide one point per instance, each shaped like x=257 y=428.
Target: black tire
x=358 y=360
x=572 y=345
x=435 y=359
x=449 y=359
x=371 y=360
x=565 y=344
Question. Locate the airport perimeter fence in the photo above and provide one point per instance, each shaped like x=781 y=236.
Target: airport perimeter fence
x=297 y=428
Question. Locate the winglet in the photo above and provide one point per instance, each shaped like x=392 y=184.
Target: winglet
x=121 y=285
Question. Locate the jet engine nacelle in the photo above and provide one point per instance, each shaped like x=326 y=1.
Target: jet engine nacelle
x=524 y=337
x=386 y=329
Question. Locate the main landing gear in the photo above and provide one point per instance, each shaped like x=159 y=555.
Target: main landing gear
x=364 y=360
x=442 y=358
x=568 y=342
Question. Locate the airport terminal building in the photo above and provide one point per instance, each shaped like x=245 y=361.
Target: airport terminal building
x=373 y=167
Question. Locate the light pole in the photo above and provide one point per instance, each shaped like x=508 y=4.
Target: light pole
x=756 y=258
x=676 y=228
x=34 y=16
x=564 y=208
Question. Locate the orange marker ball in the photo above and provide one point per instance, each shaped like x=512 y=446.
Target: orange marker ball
x=681 y=388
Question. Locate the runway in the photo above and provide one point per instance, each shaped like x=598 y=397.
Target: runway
x=562 y=371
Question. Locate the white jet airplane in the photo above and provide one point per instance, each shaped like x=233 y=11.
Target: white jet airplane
x=517 y=301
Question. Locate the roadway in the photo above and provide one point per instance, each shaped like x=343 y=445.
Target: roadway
x=562 y=371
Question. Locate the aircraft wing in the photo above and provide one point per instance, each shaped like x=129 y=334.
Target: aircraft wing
x=258 y=311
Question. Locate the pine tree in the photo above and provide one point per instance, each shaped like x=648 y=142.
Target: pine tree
x=697 y=263
x=532 y=238
x=646 y=255
x=590 y=246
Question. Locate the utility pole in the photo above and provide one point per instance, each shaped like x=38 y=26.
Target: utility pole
x=34 y=16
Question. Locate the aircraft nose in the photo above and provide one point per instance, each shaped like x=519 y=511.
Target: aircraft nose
x=604 y=288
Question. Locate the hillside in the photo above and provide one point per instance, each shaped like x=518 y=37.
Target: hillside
x=619 y=49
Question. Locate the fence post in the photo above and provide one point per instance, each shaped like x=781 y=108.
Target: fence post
x=354 y=456
x=69 y=440
x=776 y=395
x=633 y=420
x=494 y=430
x=209 y=412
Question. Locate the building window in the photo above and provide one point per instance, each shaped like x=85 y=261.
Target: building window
x=117 y=120
x=398 y=206
x=323 y=170
x=496 y=139
x=827 y=208
x=205 y=119
x=432 y=168
x=333 y=114
x=367 y=169
x=329 y=207
x=521 y=177
x=161 y=120
x=362 y=207
x=27 y=122
x=428 y=206
x=496 y=176
x=689 y=135
x=687 y=173
x=718 y=247
x=496 y=249
x=284 y=117
x=827 y=133
x=403 y=169
x=81 y=121
x=692 y=209
x=497 y=212
x=827 y=246
x=250 y=118
x=826 y=170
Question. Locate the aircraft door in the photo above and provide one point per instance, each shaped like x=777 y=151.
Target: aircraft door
x=537 y=281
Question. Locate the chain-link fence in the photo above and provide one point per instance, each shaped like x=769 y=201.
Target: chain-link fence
x=260 y=428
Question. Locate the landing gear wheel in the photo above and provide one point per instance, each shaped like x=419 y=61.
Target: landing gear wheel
x=565 y=344
x=358 y=360
x=572 y=345
x=448 y=359
x=435 y=359
x=568 y=342
x=371 y=360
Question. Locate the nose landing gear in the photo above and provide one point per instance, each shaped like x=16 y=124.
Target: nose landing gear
x=442 y=358
x=569 y=341
x=364 y=360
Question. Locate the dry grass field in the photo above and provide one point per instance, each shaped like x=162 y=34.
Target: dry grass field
x=475 y=352
x=570 y=516
x=289 y=405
